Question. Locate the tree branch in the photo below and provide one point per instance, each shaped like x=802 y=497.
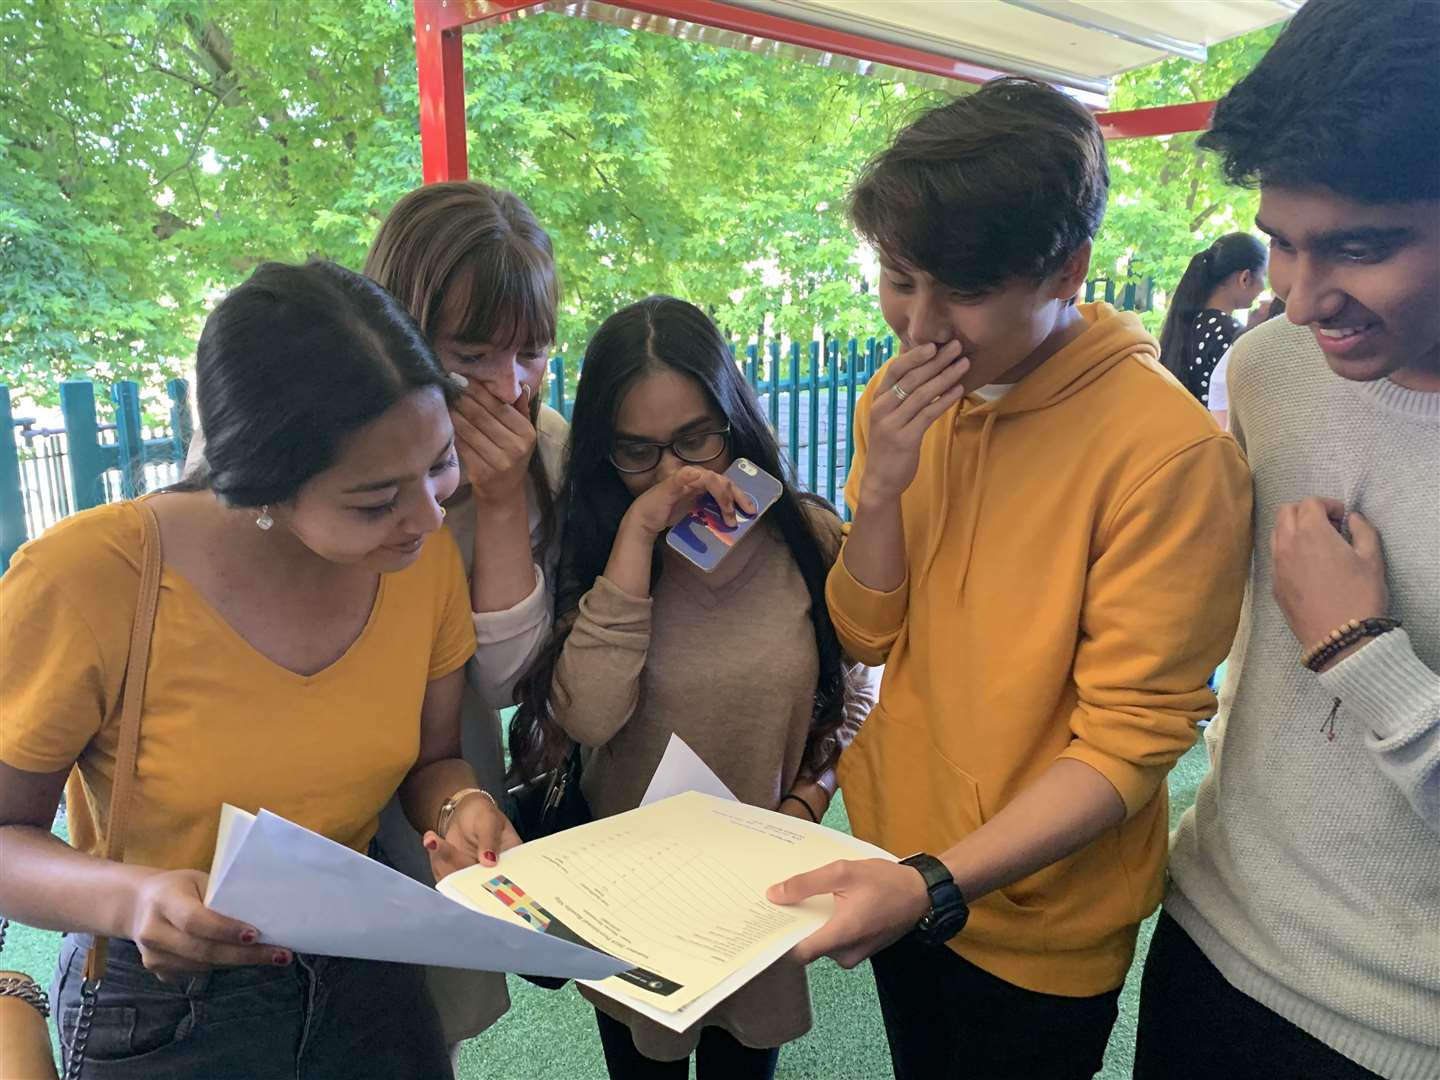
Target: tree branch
x=605 y=180
x=195 y=149
x=1199 y=218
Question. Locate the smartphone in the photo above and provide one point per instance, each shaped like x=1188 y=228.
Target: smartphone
x=702 y=535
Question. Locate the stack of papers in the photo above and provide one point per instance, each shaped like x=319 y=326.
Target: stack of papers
x=662 y=909
x=677 y=887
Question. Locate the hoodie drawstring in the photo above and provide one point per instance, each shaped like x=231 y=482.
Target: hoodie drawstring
x=974 y=497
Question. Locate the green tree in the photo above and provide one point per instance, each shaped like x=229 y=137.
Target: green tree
x=1168 y=198
x=152 y=154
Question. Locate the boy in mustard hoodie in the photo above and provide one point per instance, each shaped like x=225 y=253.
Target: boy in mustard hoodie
x=1048 y=555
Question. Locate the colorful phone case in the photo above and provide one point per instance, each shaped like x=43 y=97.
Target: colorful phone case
x=702 y=535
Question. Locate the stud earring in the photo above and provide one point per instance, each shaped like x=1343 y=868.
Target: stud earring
x=263 y=520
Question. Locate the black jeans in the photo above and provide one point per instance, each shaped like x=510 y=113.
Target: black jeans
x=1194 y=1025
x=949 y=1020
x=720 y=1056
x=321 y=1018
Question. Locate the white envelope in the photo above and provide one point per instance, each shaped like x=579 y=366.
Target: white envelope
x=305 y=892
x=681 y=770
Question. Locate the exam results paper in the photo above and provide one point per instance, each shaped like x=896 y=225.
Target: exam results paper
x=675 y=889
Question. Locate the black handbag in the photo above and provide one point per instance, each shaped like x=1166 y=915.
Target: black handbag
x=551 y=803
x=545 y=806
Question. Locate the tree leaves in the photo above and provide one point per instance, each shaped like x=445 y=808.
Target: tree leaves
x=152 y=154
x=1168 y=198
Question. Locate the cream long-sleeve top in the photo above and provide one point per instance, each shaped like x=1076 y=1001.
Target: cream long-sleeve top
x=728 y=662
x=506 y=642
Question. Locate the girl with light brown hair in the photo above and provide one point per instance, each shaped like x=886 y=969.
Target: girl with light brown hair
x=476 y=271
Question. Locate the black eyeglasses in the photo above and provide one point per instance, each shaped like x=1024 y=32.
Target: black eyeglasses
x=695 y=448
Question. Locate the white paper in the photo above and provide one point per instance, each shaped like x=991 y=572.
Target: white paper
x=679 y=887
x=681 y=770
x=683 y=1019
x=305 y=892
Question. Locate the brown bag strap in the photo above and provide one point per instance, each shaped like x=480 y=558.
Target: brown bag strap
x=132 y=703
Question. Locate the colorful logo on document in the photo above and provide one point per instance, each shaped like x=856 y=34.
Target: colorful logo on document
x=518 y=901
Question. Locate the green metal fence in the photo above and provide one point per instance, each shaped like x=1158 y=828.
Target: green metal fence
x=49 y=473
x=808 y=394
x=806 y=389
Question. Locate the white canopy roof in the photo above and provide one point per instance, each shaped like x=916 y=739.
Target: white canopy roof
x=1080 y=44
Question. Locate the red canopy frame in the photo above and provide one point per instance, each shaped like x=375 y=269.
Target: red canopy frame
x=440 y=23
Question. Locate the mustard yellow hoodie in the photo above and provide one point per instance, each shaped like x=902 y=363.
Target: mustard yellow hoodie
x=1077 y=552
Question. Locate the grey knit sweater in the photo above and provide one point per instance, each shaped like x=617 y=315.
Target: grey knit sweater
x=1308 y=870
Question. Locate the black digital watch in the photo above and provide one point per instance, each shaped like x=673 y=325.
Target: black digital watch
x=948 y=910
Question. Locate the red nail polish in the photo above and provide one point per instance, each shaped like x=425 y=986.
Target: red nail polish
x=248 y=937
x=431 y=844
x=488 y=856
x=281 y=958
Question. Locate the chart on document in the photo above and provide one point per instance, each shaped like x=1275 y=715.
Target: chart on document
x=676 y=889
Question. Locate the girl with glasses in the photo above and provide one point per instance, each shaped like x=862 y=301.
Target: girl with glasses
x=742 y=663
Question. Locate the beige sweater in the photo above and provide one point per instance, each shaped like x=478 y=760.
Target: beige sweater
x=727 y=662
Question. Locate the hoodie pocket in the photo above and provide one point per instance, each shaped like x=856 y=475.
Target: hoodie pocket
x=904 y=794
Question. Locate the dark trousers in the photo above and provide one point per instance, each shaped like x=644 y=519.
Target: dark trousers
x=321 y=1018
x=949 y=1020
x=720 y=1056
x=1195 y=1026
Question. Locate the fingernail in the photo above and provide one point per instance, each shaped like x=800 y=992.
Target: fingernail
x=488 y=856
x=431 y=844
x=248 y=937
x=457 y=380
x=280 y=958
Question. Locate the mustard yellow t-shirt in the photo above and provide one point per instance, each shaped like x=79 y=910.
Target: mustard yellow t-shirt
x=221 y=722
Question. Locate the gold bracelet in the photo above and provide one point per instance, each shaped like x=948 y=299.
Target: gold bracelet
x=448 y=808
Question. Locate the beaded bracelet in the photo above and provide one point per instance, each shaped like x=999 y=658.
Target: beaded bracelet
x=1342 y=637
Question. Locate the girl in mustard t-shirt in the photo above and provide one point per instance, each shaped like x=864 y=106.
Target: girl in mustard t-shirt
x=308 y=657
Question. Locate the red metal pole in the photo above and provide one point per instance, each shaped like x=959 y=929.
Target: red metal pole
x=441 y=67
x=1162 y=120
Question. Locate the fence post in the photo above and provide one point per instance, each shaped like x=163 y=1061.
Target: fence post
x=795 y=407
x=130 y=440
x=772 y=385
x=752 y=366
x=82 y=439
x=12 y=502
x=850 y=374
x=557 y=385
x=814 y=387
x=832 y=444
x=182 y=429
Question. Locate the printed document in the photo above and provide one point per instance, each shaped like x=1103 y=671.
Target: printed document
x=675 y=888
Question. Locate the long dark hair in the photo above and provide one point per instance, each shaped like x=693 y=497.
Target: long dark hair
x=1230 y=254
x=466 y=233
x=662 y=333
x=288 y=365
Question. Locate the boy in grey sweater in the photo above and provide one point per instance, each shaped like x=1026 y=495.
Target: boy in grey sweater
x=1301 y=934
